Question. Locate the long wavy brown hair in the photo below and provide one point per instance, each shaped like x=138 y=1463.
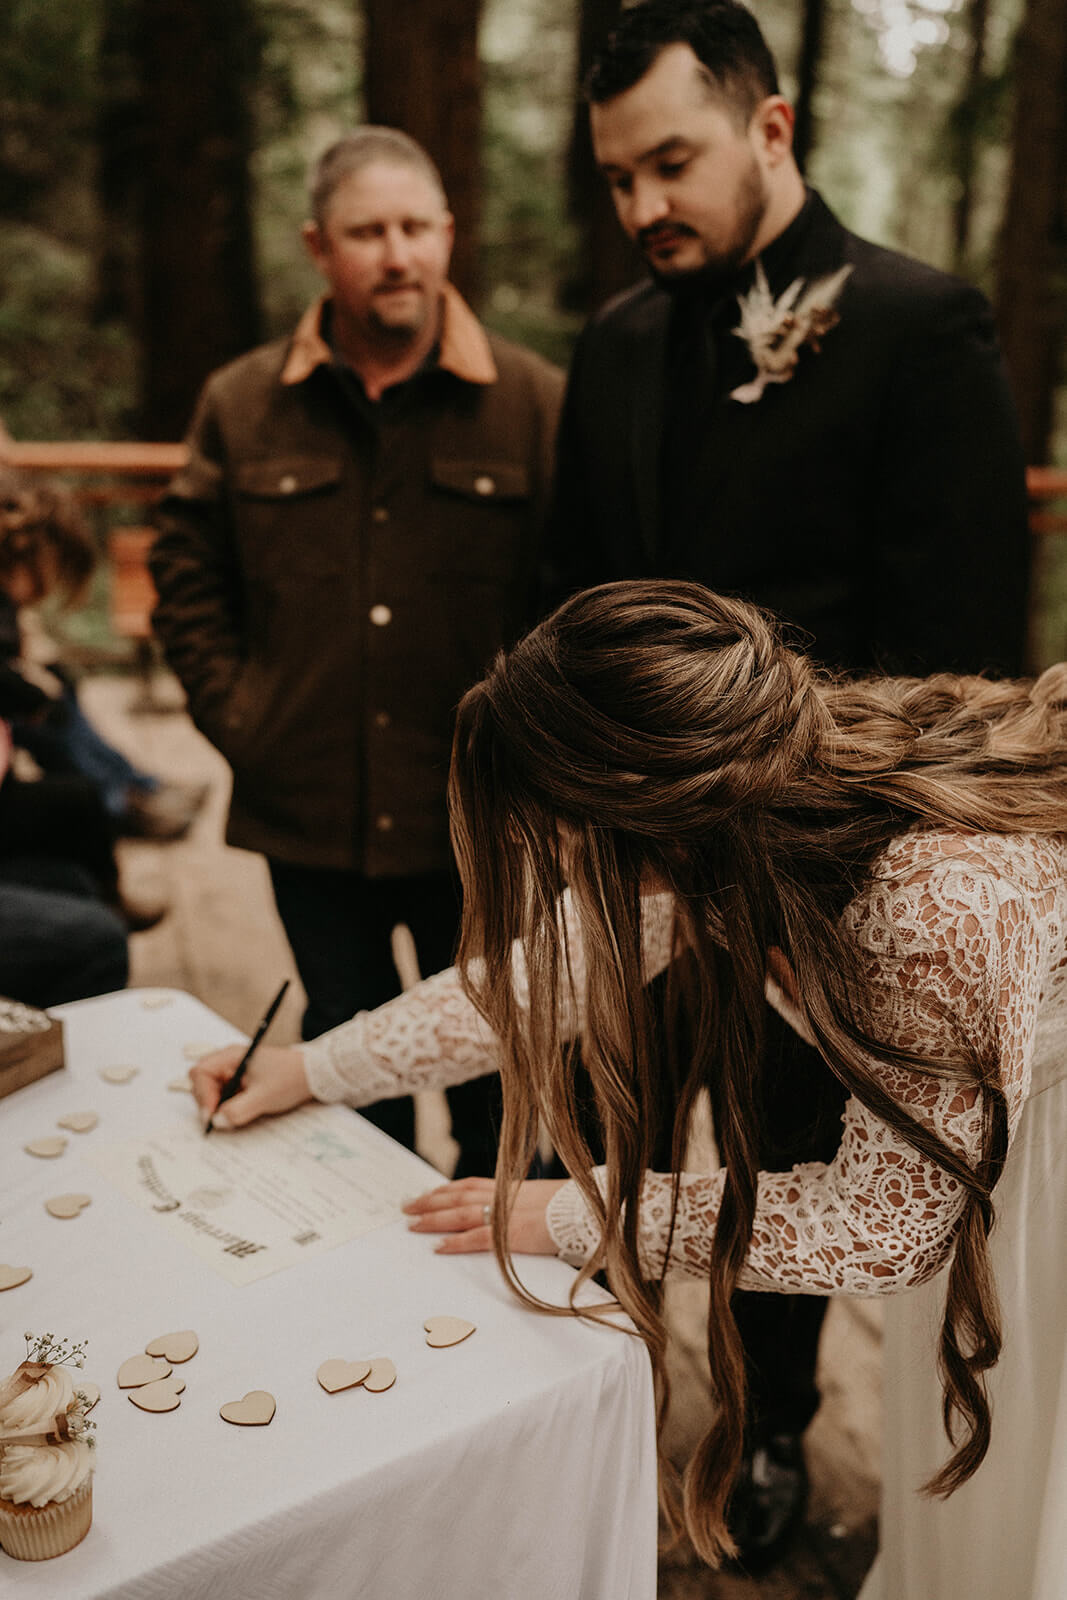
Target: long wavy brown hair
x=668 y=734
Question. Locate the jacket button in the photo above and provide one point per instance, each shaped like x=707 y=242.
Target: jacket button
x=384 y=822
x=380 y=514
x=288 y=484
x=484 y=484
x=381 y=616
x=382 y=719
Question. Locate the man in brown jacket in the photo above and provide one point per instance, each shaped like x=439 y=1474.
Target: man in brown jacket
x=356 y=533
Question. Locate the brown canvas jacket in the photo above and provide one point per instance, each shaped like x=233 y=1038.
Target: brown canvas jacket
x=329 y=587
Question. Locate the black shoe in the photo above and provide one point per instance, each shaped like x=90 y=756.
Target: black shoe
x=768 y=1500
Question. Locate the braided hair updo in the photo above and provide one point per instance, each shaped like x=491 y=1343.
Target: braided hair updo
x=656 y=707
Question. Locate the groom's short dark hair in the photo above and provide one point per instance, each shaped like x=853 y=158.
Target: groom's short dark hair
x=724 y=37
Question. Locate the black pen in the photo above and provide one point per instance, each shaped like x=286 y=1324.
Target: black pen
x=232 y=1084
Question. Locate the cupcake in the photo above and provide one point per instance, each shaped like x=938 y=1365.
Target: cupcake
x=46 y=1455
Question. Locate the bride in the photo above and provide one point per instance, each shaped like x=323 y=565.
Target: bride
x=651 y=782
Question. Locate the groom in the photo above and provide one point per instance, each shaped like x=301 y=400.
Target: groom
x=876 y=497
x=852 y=464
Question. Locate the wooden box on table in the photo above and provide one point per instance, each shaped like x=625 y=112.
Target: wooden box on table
x=31 y=1045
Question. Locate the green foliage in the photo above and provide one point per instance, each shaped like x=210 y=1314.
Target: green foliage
x=47 y=101
x=528 y=242
x=60 y=377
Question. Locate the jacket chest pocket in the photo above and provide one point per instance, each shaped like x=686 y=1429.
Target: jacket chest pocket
x=289 y=519
x=484 y=514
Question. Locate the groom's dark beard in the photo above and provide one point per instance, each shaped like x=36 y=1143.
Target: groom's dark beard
x=708 y=282
x=716 y=277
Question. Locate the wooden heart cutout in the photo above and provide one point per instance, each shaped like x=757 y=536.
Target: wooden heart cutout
x=193 y=1052
x=162 y=1395
x=443 y=1331
x=119 y=1074
x=180 y=1085
x=152 y=1002
x=67 y=1205
x=137 y=1370
x=382 y=1375
x=254 y=1411
x=11 y=1277
x=79 y=1121
x=90 y=1390
x=176 y=1347
x=52 y=1146
x=337 y=1375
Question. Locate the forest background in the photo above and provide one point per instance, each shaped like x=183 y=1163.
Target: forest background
x=153 y=157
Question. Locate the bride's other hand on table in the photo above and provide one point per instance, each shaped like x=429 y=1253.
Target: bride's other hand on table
x=274 y=1081
x=462 y=1210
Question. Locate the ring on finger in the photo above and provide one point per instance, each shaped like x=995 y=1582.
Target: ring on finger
x=487 y=1213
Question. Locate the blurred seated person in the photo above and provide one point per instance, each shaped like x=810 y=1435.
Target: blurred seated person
x=55 y=833
x=45 y=552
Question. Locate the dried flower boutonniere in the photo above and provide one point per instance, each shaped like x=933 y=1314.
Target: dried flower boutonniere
x=775 y=330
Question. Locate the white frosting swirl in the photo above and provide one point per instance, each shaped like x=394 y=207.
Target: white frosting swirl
x=39 y=1474
x=36 y=1405
x=42 y=1474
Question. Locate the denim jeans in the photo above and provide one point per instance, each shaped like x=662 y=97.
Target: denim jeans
x=58 y=942
x=66 y=741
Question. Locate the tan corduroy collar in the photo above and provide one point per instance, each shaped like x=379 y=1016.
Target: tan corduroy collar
x=464 y=348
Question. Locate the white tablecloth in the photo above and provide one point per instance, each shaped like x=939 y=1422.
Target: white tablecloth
x=518 y=1464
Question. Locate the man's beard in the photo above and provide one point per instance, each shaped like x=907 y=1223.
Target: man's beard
x=718 y=271
x=399 y=334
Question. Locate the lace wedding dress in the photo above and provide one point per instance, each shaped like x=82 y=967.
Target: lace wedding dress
x=965 y=936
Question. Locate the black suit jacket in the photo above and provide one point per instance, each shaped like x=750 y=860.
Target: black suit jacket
x=877 y=499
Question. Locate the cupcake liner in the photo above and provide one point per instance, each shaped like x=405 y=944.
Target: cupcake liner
x=36 y=1533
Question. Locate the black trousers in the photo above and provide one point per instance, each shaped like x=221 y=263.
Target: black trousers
x=339 y=925
x=803 y=1104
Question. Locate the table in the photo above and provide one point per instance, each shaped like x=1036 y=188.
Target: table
x=519 y=1464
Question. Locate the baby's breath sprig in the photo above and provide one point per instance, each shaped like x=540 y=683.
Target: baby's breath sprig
x=50 y=1351
x=82 y=1428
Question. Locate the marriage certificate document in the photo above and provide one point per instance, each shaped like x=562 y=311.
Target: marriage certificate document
x=255 y=1200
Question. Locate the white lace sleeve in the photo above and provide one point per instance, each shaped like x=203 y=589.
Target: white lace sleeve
x=431 y=1036
x=953 y=942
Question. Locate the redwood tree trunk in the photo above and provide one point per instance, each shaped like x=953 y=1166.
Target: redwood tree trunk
x=1033 y=247
x=119 y=136
x=199 y=301
x=607 y=260
x=964 y=129
x=422 y=74
x=812 y=35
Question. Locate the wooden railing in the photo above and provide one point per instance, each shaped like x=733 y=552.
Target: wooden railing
x=138 y=472
x=132 y=471
x=106 y=474
x=1047 y=484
